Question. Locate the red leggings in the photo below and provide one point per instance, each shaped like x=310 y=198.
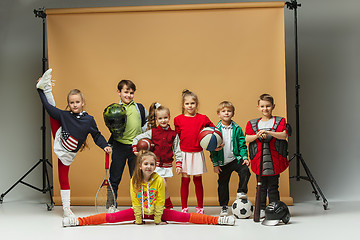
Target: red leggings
x=128 y=215
x=63 y=170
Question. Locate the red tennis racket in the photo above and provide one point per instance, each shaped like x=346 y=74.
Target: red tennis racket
x=105 y=197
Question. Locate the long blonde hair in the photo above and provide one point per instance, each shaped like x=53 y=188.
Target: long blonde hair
x=138 y=176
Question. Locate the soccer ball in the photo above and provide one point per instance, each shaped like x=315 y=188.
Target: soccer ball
x=242 y=208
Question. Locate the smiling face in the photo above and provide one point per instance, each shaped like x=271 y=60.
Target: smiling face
x=75 y=103
x=126 y=94
x=266 y=108
x=147 y=167
x=190 y=106
x=162 y=118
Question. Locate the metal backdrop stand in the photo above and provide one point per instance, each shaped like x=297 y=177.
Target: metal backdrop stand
x=46 y=186
x=293 y=5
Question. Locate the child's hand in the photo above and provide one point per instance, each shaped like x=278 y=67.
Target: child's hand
x=136 y=153
x=261 y=134
x=217 y=170
x=247 y=162
x=178 y=170
x=220 y=147
x=143 y=222
x=108 y=149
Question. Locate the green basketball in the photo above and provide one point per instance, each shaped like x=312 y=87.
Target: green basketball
x=115 y=119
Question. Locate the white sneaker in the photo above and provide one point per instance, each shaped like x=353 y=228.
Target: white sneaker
x=199 y=210
x=226 y=220
x=45 y=80
x=241 y=195
x=112 y=209
x=262 y=213
x=224 y=211
x=185 y=210
x=68 y=213
x=70 y=222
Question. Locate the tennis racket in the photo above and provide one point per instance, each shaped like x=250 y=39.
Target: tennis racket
x=105 y=197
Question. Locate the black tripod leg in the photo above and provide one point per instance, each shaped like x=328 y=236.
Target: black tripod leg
x=19 y=181
x=314 y=184
x=49 y=188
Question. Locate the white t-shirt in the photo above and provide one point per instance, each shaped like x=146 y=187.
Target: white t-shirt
x=228 y=147
x=266 y=125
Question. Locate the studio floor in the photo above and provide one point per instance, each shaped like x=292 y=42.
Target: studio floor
x=31 y=220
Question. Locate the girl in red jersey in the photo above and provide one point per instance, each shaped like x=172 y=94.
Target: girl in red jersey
x=188 y=126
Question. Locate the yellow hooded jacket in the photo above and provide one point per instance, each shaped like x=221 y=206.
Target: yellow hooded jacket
x=149 y=200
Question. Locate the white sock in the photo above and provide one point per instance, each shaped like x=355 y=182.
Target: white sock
x=65 y=198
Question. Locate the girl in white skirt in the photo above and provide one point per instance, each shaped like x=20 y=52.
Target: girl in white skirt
x=188 y=126
x=166 y=143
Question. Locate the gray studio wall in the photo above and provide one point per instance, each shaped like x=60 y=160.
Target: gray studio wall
x=329 y=70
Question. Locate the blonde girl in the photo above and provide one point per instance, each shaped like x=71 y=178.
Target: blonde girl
x=70 y=130
x=188 y=126
x=147 y=191
x=166 y=145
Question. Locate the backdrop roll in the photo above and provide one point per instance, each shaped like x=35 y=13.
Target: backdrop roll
x=233 y=52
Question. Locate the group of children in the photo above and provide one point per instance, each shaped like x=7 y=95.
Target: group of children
x=149 y=171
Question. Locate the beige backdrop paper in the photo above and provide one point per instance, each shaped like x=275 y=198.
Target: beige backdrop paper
x=231 y=52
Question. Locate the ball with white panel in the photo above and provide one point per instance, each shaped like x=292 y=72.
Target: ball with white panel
x=210 y=138
x=242 y=208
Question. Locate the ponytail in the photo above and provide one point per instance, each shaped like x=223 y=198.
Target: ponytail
x=152 y=117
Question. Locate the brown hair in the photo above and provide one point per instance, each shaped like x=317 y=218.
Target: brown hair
x=78 y=92
x=154 y=108
x=127 y=83
x=225 y=104
x=266 y=97
x=186 y=93
x=138 y=176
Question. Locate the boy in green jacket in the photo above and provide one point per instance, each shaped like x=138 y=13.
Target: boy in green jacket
x=232 y=157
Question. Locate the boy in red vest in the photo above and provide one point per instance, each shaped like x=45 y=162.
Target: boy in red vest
x=273 y=131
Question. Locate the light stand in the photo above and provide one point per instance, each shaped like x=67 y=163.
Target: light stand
x=293 y=5
x=46 y=186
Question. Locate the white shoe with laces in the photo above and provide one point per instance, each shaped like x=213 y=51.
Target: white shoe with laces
x=241 y=195
x=45 y=80
x=68 y=213
x=224 y=211
x=226 y=220
x=185 y=210
x=70 y=222
x=112 y=209
x=262 y=213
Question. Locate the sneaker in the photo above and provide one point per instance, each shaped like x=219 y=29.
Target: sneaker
x=68 y=213
x=45 y=80
x=112 y=209
x=224 y=211
x=226 y=220
x=70 y=222
x=241 y=195
x=185 y=210
x=199 y=210
x=262 y=213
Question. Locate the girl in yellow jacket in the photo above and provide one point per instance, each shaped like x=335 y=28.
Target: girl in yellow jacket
x=148 y=198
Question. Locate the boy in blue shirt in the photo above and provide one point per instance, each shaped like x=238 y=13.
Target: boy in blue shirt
x=232 y=157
